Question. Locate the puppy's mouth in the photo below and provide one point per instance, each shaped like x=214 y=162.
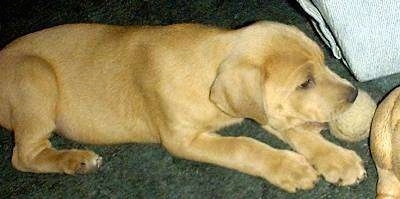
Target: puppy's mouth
x=321 y=125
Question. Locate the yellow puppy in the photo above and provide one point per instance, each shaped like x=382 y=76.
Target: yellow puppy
x=176 y=85
x=385 y=145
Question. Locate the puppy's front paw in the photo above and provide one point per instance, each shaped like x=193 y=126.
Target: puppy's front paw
x=79 y=161
x=291 y=172
x=339 y=166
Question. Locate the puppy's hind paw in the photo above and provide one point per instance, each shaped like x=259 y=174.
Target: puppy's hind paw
x=80 y=162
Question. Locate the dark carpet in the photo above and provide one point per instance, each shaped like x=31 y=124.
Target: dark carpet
x=148 y=171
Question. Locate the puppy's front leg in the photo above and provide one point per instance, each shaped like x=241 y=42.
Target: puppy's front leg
x=338 y=165
x=288 y=170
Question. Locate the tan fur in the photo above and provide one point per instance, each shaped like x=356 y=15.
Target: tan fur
x=176 y=85
x=385 y=145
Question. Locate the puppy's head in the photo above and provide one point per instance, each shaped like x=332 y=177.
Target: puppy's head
x=277 y=76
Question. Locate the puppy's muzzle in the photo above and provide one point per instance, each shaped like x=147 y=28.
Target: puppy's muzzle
x=353 y=95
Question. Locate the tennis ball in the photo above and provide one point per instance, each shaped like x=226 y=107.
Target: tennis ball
x=354 y=124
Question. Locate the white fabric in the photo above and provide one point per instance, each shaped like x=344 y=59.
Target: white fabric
x=365 y=34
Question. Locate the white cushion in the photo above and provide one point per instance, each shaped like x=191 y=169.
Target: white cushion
x=365 y=34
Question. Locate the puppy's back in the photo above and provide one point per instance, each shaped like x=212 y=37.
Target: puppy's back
x=102 y=72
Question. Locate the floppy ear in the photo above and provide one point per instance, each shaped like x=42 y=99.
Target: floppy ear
x=238 y=91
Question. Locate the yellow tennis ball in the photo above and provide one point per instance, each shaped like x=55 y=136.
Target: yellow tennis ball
x=354 y=124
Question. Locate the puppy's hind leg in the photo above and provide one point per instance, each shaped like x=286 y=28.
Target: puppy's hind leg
x=33 y=113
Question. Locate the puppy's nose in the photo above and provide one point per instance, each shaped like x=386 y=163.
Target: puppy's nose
x=353 y=95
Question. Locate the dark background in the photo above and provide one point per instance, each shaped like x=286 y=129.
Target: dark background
x=148 y=171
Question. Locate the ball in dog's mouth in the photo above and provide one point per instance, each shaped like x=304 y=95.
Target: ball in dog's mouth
x=354 y=123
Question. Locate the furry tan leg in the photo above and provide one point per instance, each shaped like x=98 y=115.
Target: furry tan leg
x=33 y=116
x=385 y=145
x=338 y=165
x=288 y=170
x=388 y=185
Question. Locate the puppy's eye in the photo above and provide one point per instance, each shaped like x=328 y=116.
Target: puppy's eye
x=309 y=83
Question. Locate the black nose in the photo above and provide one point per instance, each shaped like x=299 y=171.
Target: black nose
x=353 y=95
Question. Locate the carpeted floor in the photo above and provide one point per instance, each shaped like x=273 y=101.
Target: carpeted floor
x=148 y=171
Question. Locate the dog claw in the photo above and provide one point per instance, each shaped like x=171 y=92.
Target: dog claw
x=99 y=162
x=89 y=166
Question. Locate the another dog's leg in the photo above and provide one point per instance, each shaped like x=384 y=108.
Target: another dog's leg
x=388 y=185
x=385 y=145
x=33 y=115
x=286 y=169
x=338 y=165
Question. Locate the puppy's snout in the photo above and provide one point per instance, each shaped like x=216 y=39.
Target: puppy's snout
x=353 y=95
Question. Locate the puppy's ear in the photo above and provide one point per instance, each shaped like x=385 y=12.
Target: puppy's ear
x=238 y=91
